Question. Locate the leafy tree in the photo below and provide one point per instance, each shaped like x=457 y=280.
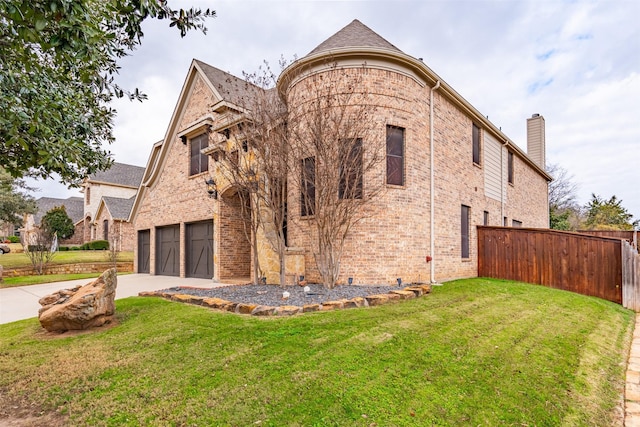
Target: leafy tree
x=608 y=215
x=14 y=202
x=57 y=222
x=58 y=60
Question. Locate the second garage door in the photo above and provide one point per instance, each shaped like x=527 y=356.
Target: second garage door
x=199 y=240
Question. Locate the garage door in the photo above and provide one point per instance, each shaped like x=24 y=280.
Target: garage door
x=199 y=238
x=144 y=250
x=168 y=250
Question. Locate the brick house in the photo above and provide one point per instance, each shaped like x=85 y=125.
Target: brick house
x=74 y=208
x=108 y=198
x=457 y=170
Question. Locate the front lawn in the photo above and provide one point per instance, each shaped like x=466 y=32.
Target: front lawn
x=15 y=260
x=474 y=352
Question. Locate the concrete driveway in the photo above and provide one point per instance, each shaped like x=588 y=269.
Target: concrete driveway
x=22 y=302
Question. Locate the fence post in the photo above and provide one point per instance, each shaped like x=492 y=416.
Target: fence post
x=630 y=277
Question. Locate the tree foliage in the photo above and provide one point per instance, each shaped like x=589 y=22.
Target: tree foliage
x=57 y=222
x=14 y=200
x=58 y=60
x=602 y=214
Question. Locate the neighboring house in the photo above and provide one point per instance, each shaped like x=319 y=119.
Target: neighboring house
x=74 y=208
x=118 y=185
x=458 y=170
x=112 y=222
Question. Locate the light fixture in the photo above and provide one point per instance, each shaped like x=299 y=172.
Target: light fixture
x=252 y=177
x=212 y=188
x=183 y=138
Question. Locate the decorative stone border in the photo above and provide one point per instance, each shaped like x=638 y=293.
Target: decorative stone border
x=409 y=292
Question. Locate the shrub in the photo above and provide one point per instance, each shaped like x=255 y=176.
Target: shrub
x=63 y=248
x=75 y=248
x=99 y=245
x=14 y=239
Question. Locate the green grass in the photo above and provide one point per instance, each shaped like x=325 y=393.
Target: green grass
x=474 y=352
x=11 y=282
x=15 y=260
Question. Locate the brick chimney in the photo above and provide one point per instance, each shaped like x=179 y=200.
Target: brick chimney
x=535 y=140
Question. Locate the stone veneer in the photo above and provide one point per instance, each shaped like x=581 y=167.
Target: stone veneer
x=408 y=292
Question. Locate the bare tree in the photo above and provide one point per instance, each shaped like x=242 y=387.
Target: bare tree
x=240 y=173
x=338 y=161
x=564 y=211
x=40 y=246
x=113 y=251
x=258 y=165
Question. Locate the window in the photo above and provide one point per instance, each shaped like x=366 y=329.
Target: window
x=105 y=229
x=516 y=223
x=308 y=193
x=486 y=218
x=505 y=222
x=476 y=144
x=199 y=162
x=88 y=195
x=510 y=167
x=395 y=155
x=464 y=231
x=350 y=185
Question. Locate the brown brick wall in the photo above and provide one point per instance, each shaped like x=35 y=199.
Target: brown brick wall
x=175 y=197
x=78 y=234
x=394 y=241
x=235 y=250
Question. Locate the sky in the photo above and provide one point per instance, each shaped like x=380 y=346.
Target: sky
x=575 y=62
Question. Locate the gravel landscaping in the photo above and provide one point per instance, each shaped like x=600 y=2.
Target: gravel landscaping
x=271 y=295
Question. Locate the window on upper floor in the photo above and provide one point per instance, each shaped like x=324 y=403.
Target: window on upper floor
x=395 y=155
x=308 y=191
x=464 y=231
x=199 y=162
x=350 y=185
x=516 y=223
x=510 y=167
x=486 y=218
x=476 y=144
x=87 y=195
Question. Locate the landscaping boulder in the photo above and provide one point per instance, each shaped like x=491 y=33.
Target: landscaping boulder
x=82 y=307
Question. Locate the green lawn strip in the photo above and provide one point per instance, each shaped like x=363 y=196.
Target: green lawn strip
x=15 y=260
x=474 y=352
x=11 y=282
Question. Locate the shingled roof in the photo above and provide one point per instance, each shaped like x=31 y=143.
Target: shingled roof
x=120 y=174
x=119 y=208
x=356 y=34
x=73 y=205
x=230 y=87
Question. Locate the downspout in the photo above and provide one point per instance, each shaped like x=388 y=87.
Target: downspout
x=502 y=183
x=432 y=185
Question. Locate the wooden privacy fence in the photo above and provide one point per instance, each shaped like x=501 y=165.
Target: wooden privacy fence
x=603 y=267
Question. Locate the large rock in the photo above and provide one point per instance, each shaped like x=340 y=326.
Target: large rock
x=82 y=307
